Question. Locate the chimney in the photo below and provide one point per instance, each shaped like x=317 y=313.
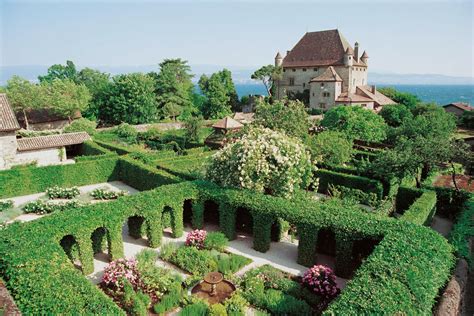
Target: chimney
x=356 y=51
x=373 y=89
x=287 y=52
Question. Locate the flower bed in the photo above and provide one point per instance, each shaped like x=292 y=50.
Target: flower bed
x=57 y=192
x=42 y=207
x=101 y=194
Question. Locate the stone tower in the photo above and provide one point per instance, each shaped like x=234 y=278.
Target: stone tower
x=348 y=57
x=278 y=60
x=356 y=51
x=364 y=58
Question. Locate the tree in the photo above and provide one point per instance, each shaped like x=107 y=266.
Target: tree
x=24 y=96
x=65 y=97
x=130 y=99
x=61 y=72
x=220 y=94
x=268 y=74
x=98 y=84
x=458 y=152
x=405 y=98
x=265 y=161
x=356 y=123
x=283 y=115
x=395 y=114
x=193 y=126
x=81 y=125
x=173 y=85
x=330 y=148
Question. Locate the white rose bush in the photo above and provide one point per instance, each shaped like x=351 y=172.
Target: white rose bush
x=265 y=161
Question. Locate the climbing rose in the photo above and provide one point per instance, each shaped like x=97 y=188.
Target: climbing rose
x=321 y=280
x=196 y=238
x=265 y=161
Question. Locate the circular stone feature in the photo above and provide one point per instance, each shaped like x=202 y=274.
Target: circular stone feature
x=213 y=288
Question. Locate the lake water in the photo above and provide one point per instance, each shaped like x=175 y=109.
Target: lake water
x=440 y=94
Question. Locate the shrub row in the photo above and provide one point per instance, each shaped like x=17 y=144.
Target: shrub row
x=327 y=177
x=422 y=210
x=119 y=149
x=90 y=150
x=463 y=230
x=22 y=181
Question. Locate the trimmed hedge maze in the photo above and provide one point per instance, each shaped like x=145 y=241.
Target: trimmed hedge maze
x=409 y=263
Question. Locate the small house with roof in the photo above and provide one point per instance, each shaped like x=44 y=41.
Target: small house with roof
x=324 y=65
x=458 y=108
x=223 y=130
x=42 y=150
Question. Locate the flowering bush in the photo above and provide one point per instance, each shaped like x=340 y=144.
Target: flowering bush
x=101 y=194
x=119 y=270
x=265 y=161
x=321 y=280
x=41 y=207
x=196 y=238
x=62 y=193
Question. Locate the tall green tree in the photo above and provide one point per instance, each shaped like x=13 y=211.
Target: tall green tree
x=174 y=88
x=131 y=99
x=61 y=72
x=395 y=114
x=268 y=75
x=405 y=98
x=24 y=96
x=65 y=97
x=287 y=116
x=220 y=93
x=330 y=148
x=356 y=122
x=98 y=84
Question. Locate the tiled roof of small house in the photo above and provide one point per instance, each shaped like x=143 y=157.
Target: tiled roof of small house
x=461 y=106
x=351 y=98
x=328 y=75
x=8 y=121
x=227 y=123
x=244 y=118
x=43 y=116
x=377 y=97
x=323 y=48
x=52 y=141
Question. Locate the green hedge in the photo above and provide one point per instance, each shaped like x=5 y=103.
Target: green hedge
x=405 y=198
x=90 y=150
x=119 y=149
x=327 y=177
x=402 y=275
x=463 y=230
x=422 y=210
x=28 y=180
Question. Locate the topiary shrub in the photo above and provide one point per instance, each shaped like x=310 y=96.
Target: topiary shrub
x=265 y=161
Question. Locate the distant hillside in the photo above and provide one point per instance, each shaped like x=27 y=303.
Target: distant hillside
x=241 y=74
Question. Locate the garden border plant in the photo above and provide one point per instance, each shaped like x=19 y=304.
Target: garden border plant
x=41 y=278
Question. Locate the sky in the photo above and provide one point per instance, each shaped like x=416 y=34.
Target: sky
x=423 y=37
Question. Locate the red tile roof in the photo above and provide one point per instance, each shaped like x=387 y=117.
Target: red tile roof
x=323 y=48
x=377 y=97
x=351 y=98
x=8 y=120
x=52 y=141
x=227 y=123
x=461 y=106
x=328 y=75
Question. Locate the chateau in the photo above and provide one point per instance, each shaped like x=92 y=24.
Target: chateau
x=325 y=66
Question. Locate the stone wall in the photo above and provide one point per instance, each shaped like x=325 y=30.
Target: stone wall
x=43 y=157
x=358 y=77
x=317 y=98
x=8 y=147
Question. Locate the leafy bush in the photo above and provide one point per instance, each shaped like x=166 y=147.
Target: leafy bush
x=5 y=205
x=41 y=207
x=236 y=304
x=330 y=148
x=168 y=302
x=321 y=280
x=127 y=133
x=62 y=193
x=230 y=263
x=101 y=194
x=193 y=260
x=265 y=161
x=196 y=309
x=116 y=272
x=217 y=310
x=81 y=125
x=167 y=251
x=462 y=231
x=355 y=195
x=216 y=240
x=196 y=238
x=136 y=304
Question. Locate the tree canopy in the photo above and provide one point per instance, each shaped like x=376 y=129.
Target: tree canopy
x=268 y=75
x=265 y=161
x=220 y=94
x=330 y=148
x=283 y=115
x=65 y=97
x=356 y=123
x=395 y=114
x=60 y=72
x=405 y=98
x=130 y=99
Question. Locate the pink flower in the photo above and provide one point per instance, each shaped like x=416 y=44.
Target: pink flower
x=321 y=280
x=196 y=238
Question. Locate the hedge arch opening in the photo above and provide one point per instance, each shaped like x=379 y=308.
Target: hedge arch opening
x=244 y=221
x=326 y=242
x=72 y=250
x=137 y=228
x=187 y=212
x=277 y=230
x=166 y=218
x=211 y=213
x=101 y=243
x=361 y=249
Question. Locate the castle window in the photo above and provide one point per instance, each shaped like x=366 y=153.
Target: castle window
x=313 y=94
x=284 y=70
x=304 y=84
x=293 y=69
x=326 y=94
x=322 y=84
x=315 y=69
x=304 y=69
x=322 y=105
x=292 y=81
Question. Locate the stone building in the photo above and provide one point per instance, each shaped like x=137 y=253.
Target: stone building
x=458 y=108
x=44 y=119
x=324 y=66
x=42 y=150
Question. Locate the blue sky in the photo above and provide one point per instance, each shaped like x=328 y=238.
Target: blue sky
x=399 y=36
